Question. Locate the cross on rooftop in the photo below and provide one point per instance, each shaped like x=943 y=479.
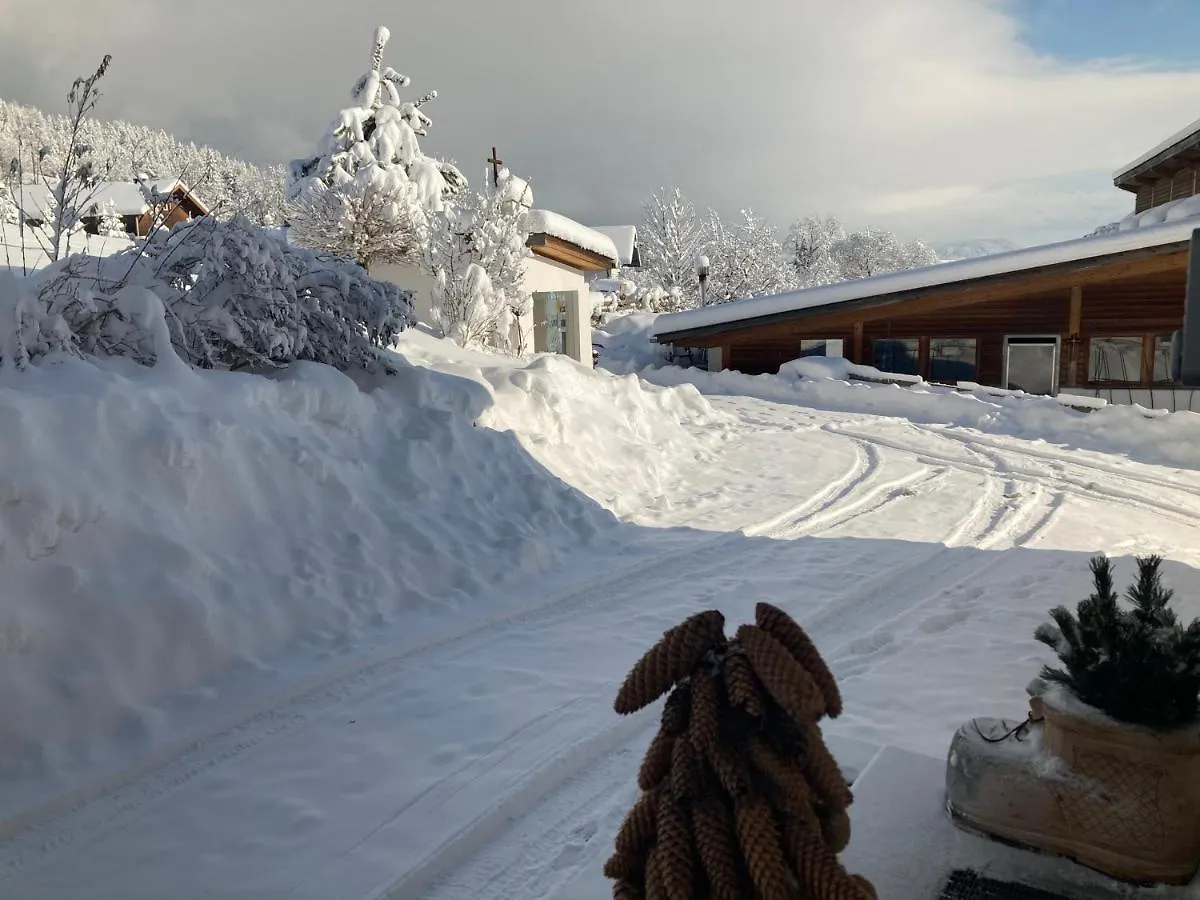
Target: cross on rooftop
x=496 y=162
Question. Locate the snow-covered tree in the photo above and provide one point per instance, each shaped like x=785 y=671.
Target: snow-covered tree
x=670 y=238
x=746 y=259
x=368 y=190
x=10 y=213
x=476 y=250
x=111 y=224
x=809 y=247
x=235 y=296
x=73 y=183
x=872 y=251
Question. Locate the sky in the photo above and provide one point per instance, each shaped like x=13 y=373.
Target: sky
x=942 y=120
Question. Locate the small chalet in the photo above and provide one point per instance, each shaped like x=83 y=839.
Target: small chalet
x=141 y=204
x=1093 y=315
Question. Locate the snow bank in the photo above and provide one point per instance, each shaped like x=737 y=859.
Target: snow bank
x=1160 y=438
x=626 y=344
x=618 y=439
x=159 y=528
x=543 y=221
x=21 y=251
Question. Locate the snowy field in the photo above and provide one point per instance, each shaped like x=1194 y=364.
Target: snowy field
x=286 y=638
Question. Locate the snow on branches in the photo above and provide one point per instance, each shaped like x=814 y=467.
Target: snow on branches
x=475 y=253
x=235 y=297
x=367 y=192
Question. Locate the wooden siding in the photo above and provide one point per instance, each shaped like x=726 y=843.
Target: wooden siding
x=1165 y=188
x=1148 y=305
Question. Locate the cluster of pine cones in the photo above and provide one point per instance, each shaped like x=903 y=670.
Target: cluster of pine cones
x=741 y=799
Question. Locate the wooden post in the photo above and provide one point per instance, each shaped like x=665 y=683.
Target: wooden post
x=856 y=346
x=1075 y=336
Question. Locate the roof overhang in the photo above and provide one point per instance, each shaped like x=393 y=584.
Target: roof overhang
x=1166 y=160
x=990 y=288
x=561 y=251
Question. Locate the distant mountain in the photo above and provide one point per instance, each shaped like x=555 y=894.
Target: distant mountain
x=950 y=251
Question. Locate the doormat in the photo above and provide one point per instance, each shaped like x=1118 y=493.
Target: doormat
x=965 y=884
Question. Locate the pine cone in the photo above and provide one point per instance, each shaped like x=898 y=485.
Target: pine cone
x=625 y=890
x=674 y=847
x=704 y=727
x=656 y=764
x=788 y=632
x=759 y=839
x=788 y=738
x=792 y=794
x=670 y=660
x=716 y=841
x=788 y=683
x=821 y=875
x=687 y=774
x=730 y=770
x=624 y=867
x=655 y=889
x=741 y=687
x=677 y=710
x=823 y=773
x=835 y=830
x=637 y=830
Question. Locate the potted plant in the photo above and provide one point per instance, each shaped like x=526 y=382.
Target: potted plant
x=1106 y=769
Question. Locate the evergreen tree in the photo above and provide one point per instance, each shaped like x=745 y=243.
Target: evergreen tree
x=367 y=192
x=111 y=224
x=1138 y=665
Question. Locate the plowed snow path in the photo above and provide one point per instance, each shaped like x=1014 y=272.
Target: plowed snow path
x=488 y=762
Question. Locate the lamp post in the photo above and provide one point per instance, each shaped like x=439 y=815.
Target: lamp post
x=702 y=275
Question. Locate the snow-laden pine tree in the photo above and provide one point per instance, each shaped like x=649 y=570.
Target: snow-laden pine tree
x=10 y=213
x=110 y=224
x=476 y=253
x=368 y=190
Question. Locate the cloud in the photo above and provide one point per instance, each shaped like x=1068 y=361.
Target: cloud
x=931 y=117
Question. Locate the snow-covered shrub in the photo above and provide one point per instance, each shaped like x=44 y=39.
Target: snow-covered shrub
x=27 y=328
x=367 y=191
x=235 y=297
x=476 y=252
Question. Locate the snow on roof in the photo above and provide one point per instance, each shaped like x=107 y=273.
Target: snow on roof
x=1170 y=142
x=624 y=238
x=1132 y=238
x=164 y=187
x=125 y=196
x=543 y=221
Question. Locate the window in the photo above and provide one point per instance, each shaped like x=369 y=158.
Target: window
x=952 y=359
x=1162 y=359
x=1115 y=359
x=900 y=357
x=812 y=348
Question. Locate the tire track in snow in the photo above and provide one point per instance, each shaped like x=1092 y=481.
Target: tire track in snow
x=1039 y=480
x=834 y=620
x=33 y=836
x=1062 y=459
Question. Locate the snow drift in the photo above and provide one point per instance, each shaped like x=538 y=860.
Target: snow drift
x=159 y=527
x=1156 y=437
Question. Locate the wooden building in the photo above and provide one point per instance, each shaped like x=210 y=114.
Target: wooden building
x=140 y=205
x=1094 y=312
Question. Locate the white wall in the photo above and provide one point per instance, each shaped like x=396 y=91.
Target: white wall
x=414 y=279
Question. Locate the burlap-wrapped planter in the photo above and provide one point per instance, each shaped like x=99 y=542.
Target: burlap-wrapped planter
x=1118 y=798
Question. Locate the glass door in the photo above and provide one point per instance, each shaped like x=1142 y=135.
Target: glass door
x=1031 y=364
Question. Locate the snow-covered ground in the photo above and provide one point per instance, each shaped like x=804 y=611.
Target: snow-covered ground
x=284 y=638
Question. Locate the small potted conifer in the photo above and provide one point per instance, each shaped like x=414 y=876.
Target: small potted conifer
x=1106 y=769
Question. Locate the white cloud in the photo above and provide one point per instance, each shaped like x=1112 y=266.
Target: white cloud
x=929 y=117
